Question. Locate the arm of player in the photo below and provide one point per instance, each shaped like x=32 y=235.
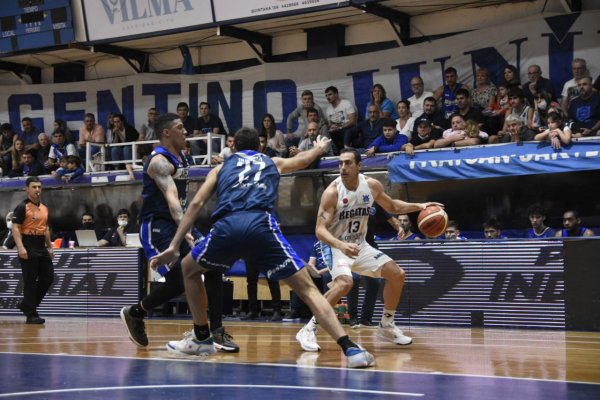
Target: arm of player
x=304 y=158
x=162 y=171
x=324 y=219
x=395 y=206
x=49 y=243
x=187 y=222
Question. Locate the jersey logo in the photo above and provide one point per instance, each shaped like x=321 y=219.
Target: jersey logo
x=366 y=198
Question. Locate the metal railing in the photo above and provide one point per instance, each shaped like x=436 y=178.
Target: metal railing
x=95 y=163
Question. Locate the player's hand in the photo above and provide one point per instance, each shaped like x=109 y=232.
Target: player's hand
x=322 y=142
x=190 y=239
x=167 y=257
x=431 y=203
x=350 y=249
x=23 y=254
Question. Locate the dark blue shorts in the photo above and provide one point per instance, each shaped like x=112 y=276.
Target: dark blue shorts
x=252 y=236
x=156 y=235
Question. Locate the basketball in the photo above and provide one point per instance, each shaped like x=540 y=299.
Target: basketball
x=432 y=221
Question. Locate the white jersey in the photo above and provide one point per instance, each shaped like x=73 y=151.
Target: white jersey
x=352 y=211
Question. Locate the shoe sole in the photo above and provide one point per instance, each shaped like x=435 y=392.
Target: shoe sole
x=124 y=319
x=226 y=349
x=388 y=340
x=181 y=353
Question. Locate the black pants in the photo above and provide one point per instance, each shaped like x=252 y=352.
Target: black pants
x=38 y=275
x=371 y=290
x=173 y=287
x=252 y=281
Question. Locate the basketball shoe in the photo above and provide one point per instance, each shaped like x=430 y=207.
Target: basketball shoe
x=359 y=358
x=135 y=327
x=308 y=339
x=391 y=333
x=189 y=345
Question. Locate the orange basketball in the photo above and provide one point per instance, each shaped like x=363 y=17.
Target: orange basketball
x=432 y=221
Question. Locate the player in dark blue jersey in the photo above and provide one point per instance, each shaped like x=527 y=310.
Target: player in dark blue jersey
x=537 y=218
x=244 y=227
x=164 y=198
x=572 y=226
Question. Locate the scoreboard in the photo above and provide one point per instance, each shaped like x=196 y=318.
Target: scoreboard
x=30 y=24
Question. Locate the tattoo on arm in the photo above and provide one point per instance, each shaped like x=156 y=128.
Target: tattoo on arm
x=323 y=215
x=161 y=171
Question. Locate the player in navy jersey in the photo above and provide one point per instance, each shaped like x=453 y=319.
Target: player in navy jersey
x=164 y=199
x=537 y=218
x=244 y=227
x=572 y=226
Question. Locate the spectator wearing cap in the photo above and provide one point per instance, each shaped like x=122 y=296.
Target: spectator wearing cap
x=390 y=140
x=424 y=138
x=436 y=118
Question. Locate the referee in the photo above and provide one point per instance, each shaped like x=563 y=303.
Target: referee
x=32 y=237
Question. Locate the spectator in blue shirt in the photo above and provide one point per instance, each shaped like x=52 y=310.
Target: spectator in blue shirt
x=362 y=135
x=390 y=140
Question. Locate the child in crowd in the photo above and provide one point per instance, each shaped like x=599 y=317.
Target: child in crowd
x=556 y=133
x=542 y=103
x=69 y=169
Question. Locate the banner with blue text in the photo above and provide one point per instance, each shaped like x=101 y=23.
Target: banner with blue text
x=241 y=98
x=494 y=161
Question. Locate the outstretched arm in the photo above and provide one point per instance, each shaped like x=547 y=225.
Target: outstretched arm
x=304 y=158
x=394 y=206
x=187 y=222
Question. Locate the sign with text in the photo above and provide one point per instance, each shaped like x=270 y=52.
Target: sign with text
x=112 y=19
x=227 y=10
x=94 y=282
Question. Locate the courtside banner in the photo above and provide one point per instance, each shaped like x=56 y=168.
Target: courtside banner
x=494 y=161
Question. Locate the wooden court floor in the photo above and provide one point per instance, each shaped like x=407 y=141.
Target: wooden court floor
x=528 y=355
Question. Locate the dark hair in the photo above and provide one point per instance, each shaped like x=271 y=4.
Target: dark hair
x=123 y=211
x=31 y=179
x=357 y=158
x=62 y=126
x=572 y=211
x=453 y=224
x=6 y=127
x=74 y=159
x=306 y=93
x=312 y=110
x=331 y=89
x=183 y=104
x=202 y=103
x=536 y=209
x=449 y=70
x=92 y=116
x=120 y=116
x=31 y=152
x=463 y=92
x=516 y=92
x=555 y=117
x=492 y=223
x=89 y=214
x=271 y=132
x=246 y=139
x=164 y=121
x=388 y=122
x=430 y=98
x=405 y=102
x=383 y=93
x=26 y=119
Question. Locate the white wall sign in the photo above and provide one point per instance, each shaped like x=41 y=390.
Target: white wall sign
x=226 y=10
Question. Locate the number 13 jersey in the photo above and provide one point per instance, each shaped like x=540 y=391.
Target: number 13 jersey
x=352 y=211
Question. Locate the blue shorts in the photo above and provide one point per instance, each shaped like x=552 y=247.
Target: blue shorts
x=252 y=236
x=156 y=235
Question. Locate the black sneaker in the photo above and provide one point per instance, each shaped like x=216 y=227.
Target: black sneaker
x=292 y=316
x=249 y=316
x=135 y=327
x=368 y=324
x=353 y=322
x=34 y=320
x=224 y=341
x=276 y=317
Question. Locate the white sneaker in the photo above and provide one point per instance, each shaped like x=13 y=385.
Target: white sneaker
x=190 y=346
x=308 y=339
x=359 y=358
x=393 y=334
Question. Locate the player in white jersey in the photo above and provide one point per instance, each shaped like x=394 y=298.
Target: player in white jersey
x=342 y=224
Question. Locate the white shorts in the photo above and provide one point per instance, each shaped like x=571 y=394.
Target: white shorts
x=368 y=262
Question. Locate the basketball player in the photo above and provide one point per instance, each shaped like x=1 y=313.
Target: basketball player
x=164 y=197
x=572 y=226
x=244 y=227
x=342 y=224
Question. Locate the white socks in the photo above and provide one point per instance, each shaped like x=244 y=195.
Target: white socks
x=388 y=317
